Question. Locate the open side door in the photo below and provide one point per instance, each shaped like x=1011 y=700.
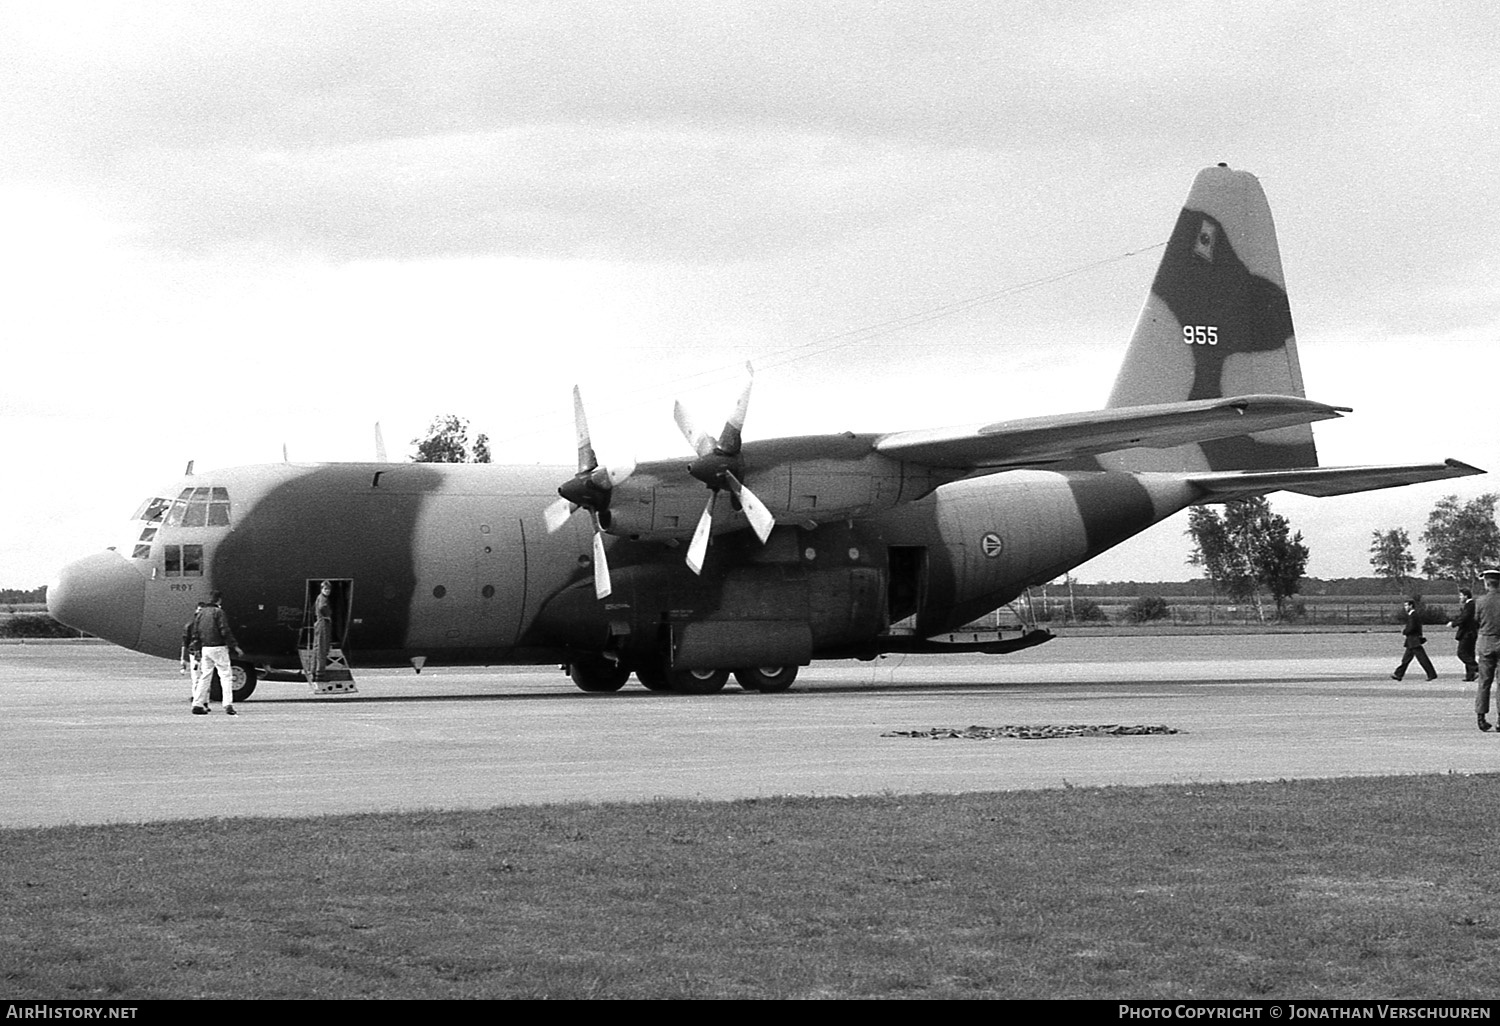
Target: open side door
x=334 y=677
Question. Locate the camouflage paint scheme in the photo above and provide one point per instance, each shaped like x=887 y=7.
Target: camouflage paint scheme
x=454 y=563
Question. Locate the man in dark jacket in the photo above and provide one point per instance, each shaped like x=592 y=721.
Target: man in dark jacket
x=192 y=652
x=1413 y=641
x=211 y=628
x=1466 y=631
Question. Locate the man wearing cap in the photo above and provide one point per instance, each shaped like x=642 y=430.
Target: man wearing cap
x=1487 y=646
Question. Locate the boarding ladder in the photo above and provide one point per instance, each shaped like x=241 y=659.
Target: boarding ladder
x=336 y=677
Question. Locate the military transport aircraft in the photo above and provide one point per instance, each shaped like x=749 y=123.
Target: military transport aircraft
x=824 y=547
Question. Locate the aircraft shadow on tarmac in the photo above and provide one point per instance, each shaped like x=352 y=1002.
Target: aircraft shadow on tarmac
x=1246 y=686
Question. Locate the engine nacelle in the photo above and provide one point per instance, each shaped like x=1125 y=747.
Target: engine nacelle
x=665 y=506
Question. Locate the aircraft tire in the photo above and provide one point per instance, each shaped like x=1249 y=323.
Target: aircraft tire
x=697 y=682
x=244 y=684
x=652 y=677
x=766 y=679
x=598 y=675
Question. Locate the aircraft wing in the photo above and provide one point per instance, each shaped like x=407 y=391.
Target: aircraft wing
x=1040 y=440
x=1322 y=482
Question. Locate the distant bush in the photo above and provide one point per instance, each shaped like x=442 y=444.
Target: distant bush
x=1086 y=610
x=34 y=625
x=1147 y=607
x=1427 y=614
x=1432 y=614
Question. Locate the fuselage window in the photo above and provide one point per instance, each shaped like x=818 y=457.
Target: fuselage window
x=184 y=560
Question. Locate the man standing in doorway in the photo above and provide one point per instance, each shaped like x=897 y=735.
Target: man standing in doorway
x=1487 y=646
x=217 y=639
x=322 y=629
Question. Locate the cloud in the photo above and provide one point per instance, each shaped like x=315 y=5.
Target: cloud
x=678 y=131
x=651 y=193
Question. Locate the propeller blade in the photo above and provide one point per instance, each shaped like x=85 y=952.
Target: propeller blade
x=702 y=444
x=729 y=440
x=557 y=514
x=755 y=511
x=587 y=461
x=699 y=547
x=602 y=586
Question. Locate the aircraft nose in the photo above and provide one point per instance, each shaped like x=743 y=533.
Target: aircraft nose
x=101 y=594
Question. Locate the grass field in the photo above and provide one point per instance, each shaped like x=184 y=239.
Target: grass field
x=1368 y=888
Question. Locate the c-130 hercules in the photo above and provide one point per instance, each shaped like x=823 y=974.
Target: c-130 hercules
x=822 y=544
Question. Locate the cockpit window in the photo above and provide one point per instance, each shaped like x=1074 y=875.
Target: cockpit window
x=152 y=510
x=200 y=507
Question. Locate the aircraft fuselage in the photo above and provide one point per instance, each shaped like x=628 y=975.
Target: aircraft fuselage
x=452 y=564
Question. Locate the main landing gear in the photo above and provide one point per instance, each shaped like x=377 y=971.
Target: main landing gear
x=599 y=674
x=244 y=684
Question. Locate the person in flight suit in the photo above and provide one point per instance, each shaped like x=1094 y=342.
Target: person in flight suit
x=1466 y=632
x=322 y=629
x=1487 y=645
x=1413 y=640
x=212 y=629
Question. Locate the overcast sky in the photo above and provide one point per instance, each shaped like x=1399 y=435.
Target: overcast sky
x=231 y=227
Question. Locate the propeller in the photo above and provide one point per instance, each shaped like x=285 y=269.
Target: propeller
x=588 y=489
x=720 y=467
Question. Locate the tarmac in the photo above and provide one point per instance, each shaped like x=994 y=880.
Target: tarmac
x=90 y=733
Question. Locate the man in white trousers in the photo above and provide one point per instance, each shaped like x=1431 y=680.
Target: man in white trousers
x=212 y=629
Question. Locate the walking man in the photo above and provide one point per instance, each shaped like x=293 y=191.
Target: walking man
x=1413 y=642
x=192 y=652
x=1466 y=633
x=213 y=632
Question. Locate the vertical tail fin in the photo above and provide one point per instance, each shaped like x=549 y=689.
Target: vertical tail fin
x=1216 y=323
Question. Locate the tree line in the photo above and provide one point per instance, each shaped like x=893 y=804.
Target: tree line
x=1249 y=547
x=1461 y=539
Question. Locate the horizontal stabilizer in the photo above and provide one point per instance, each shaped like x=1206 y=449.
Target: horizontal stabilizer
x=1041 y=440
x=1322 y=482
